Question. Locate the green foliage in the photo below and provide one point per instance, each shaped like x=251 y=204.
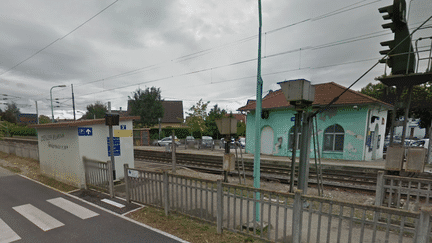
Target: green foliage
x=11 y=113
x=197 y=117
x=9 y=129
x=210 y=122
x=147 y=104
x=96 y=110
x=44 y=119
x=23 y=131
x=421 y=99
x=241 y=129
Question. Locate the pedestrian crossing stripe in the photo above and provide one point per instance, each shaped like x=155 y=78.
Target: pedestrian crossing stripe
x=41 y=219
x=73 y=208
x=7 y=234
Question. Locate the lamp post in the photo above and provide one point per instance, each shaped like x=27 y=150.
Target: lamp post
x=52 y=111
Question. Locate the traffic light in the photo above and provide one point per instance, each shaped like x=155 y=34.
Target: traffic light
x=400 y=53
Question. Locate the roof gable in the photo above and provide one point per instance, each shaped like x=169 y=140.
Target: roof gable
x=324 y=94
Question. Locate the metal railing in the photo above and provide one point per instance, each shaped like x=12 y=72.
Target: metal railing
x=97 y=174
x=275 y=216
x=402 y=192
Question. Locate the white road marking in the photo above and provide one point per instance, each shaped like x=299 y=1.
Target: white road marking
x=119 y=205
x=7 y=234
x=38 y=217
x=73 y=208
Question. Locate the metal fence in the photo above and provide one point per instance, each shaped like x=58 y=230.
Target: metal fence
x=97 y=174
x=402 y=192
x=274 y=216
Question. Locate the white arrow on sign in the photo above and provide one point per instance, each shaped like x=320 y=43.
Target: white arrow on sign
x=88 y=131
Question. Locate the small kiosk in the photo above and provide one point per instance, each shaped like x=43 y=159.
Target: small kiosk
x=62 y=147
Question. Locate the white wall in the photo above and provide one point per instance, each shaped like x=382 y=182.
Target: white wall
x=382 y=114
x=59 y=155
x=95 y=147
x=61 y=151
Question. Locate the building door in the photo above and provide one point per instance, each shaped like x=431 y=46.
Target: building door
x=375 y=143
x=267 y=137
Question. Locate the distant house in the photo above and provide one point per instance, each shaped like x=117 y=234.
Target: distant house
x=173 y=113
x=353 y=128
x=413 y=130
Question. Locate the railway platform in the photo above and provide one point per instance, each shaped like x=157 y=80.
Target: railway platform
x=375 y=164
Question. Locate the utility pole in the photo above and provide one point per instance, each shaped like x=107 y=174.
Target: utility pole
x=73 y=102
x=257 y=157
x=37 y=113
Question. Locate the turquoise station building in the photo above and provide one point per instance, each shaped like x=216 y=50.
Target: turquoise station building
x=353 y=128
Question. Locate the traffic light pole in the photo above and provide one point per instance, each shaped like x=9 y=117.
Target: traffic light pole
x=111 y=142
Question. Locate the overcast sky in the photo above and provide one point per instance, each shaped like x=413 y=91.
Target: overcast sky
x=190 y=49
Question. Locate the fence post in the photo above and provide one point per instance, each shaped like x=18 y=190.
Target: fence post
x=424 y=225
x=166 y=192
x=126 y=178
x=219 y=213
x=297 y=217
x=380 y=190
x=173 y=151
x=85 y=173
x=110 y=179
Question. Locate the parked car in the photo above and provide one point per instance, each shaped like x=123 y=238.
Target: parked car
x=242 y=142
x=222 y=143
x=190 y=139
x=167 y=140
x=421 y=143
x=206 y=141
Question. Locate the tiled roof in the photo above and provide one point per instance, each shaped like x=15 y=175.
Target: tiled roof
x=81 y=123
x=324 y=94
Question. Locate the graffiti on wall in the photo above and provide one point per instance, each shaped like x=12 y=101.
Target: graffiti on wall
x=278 y=145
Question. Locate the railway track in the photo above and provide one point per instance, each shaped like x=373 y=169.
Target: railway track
x=343 y=177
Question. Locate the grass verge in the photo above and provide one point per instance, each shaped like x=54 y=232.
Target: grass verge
x=30 y=168
x=186 y=228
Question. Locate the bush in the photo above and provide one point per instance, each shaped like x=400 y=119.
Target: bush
x=23 y=131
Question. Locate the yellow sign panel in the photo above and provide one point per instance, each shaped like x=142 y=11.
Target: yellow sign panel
x=122 y=133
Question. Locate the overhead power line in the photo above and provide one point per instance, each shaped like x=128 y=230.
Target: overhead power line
x=50 y=44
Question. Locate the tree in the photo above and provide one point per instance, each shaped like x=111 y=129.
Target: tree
x=11 y=113
x=210 y=121
x=147 y=104
x=421 y=99
x=44 y=119
x=95 y=111
x=197 y=117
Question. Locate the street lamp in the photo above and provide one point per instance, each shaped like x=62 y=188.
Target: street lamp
x=52 y=111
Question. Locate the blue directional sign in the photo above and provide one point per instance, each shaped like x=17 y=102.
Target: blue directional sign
x=85 y=131
x=122 y=127
x=116 y=142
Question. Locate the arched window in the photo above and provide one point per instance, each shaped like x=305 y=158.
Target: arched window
x=291 y=138
x=334 y=138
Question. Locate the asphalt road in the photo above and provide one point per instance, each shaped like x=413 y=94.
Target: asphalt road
x=30 y=212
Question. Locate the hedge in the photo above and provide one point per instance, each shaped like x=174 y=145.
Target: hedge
x=23 y=131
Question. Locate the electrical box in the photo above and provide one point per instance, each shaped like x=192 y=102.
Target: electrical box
x=227 y=126
x=112 y=119
x=229 y=162
x=394 y=157
x=415 y=159
x=298 y=90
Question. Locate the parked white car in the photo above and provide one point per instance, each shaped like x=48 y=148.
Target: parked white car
x=166 y=141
